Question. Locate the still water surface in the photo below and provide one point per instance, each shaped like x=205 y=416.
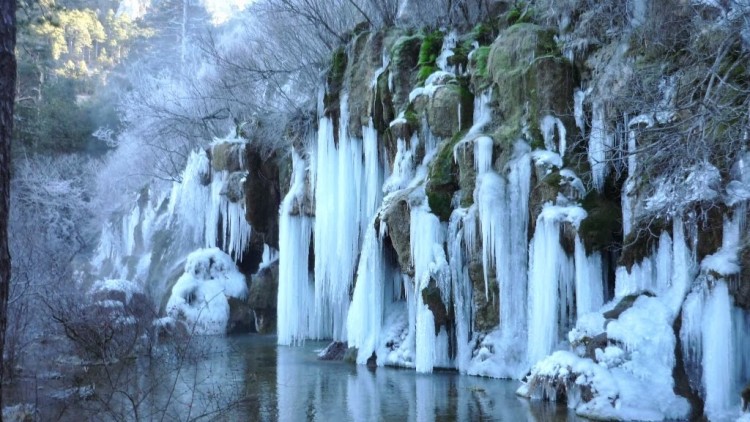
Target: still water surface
x=250 y=378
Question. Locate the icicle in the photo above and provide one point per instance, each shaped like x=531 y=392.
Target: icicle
x=483 y=154
x=366 y=312
x=589 y=286
x=718 y=359
x=427 y=237
x=462 y=289
x=600 y=143
x=545 y=252
x=295 y=307
x=578 y=97
x=550 y=275
x=547 y=125
x=490 y=200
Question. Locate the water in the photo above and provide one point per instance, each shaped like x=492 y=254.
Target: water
x=252 y=378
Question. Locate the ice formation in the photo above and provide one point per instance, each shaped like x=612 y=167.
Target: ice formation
x=200 y=295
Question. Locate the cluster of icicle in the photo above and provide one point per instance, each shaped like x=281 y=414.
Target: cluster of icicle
x=548 y=299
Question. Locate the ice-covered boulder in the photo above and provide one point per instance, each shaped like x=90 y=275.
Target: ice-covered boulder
x=200 y=296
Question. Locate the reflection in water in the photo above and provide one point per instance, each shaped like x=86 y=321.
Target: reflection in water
x=251 y=378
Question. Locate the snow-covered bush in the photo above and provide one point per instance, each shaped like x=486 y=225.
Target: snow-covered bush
x=200 y=296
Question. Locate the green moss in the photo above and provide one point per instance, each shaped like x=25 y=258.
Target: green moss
x=520 y=13
x=405 y=46
x=442 y=182
x=603 y=225
x=335 y=77
x=553 y=179
x=481 y=57
x=428 y=54
x=525 y=63
x=640 y=242
x=424 y=72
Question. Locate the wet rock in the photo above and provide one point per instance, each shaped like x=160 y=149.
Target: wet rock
x=241 y=318
x=262 y=195
x=234 y=187
x=433 y=300
x=404 y=64
x=334 y=351
x=262 y=297
x=450 y=110
x=398 y=219
x=740 y=289
x=487 y=314
x=227 y=156
x=366 y=57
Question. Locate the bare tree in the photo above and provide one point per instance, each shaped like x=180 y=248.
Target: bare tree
x=7 y=97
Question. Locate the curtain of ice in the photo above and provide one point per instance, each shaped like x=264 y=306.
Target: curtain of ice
x=296 y=315
x=347 y=193
x=203 y=210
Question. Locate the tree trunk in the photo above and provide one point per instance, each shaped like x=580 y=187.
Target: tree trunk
x=7 y=96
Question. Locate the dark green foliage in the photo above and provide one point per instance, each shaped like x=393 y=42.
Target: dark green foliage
x=481 y=57
x=442 y=182
x=603 y=225
x=641 y=241
x=520 y=13
x=428 y=54
x=335 y=78
x=60 y=123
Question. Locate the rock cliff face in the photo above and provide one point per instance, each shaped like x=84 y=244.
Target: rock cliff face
x=537 y=195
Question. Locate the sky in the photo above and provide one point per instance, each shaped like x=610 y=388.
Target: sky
x=220 y=10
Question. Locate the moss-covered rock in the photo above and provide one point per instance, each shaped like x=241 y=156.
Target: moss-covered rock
x=542 y=192
x=404 y=64
x=429 y=51
x=603 y=225
x=335 y=81
x=641 y=241
x=262 y=195
x=227 y=156
x=487 y=315
x=262 y=297
x=442 y=181
x=398 y=219
x=366 y=57
x=450 y=110
x=433 y=300
x=525 y=65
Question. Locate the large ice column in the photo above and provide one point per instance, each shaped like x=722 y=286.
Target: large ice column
x=513 y=282
x=427 y=237
x=551 y=276
x=203 y=210
x=718 y=353
x=600 y=144
x=460 y=228
x=189 y=197
x=347 y=193
x=654 y=273
x=296 y=319
x=366 y=313
x=588 y=285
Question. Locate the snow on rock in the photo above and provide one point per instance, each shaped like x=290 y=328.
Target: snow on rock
x=546 y=159
x=699 y=183
x=128 y=288
x=630 y=381
x=200 y=294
